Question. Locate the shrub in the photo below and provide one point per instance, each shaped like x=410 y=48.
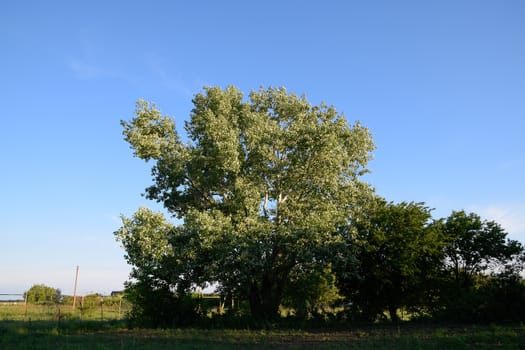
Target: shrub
x=161 y=308
x=43 y=295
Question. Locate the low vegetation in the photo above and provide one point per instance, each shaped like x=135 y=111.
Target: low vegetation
x=106 y=335
x=89 y=308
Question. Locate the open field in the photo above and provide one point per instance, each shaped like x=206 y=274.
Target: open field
x=46 y=327
x=113 y=335
x=19 y=311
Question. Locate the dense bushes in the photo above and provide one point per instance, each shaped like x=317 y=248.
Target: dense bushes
x=42 y=294
x=160 y=307
x=491 y=298
x=458 y=269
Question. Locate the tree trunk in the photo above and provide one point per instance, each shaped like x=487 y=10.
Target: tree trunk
x=255 y=300
x=266 y=298
x=392 y=310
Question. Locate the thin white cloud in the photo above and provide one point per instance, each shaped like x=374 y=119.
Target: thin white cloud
x=90 y=61
x=84 y=70
x=170 y=81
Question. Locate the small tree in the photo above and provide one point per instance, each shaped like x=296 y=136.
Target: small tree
x=475 y=246
x=393 y=245
x=42 y=294
x=480 y=271
x=312 y=293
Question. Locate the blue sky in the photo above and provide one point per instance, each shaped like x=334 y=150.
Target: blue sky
x=440 y=84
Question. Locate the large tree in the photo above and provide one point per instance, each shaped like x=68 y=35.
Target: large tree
x=262 y=186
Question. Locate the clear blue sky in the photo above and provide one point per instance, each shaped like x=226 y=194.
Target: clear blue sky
x=440 y=84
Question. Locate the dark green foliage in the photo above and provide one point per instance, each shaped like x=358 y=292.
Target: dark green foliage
x=160 y=307
x=480 y=272
x=460 y=268
x=474 y=246
x=493 y=298
x=394 y=247
x=313 y=294
x=504 y=298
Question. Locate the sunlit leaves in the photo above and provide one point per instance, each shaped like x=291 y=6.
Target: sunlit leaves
x=145 y=237
x=151 y=134
x=262 y=185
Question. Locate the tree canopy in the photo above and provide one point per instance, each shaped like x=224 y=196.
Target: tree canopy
x=475 y=246
x=266 y=203
x=42 y=294
x=261 y=186
x=393 y=244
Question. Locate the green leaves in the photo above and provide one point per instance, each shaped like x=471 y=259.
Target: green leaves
x=145 y=237
x=393 y=245
x=151 y=135
x=273 y=209
x=42 y=294
x=473 y=245
x=262 y=186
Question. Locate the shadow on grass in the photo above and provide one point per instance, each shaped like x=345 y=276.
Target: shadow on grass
x=70 y=334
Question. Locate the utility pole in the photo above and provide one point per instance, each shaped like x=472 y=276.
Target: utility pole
x=75 y=290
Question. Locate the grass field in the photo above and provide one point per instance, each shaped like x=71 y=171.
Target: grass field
x=47 y=335
x=40 y=328
x=20 y=311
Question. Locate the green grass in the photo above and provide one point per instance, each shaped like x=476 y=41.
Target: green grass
x=47 y=335
x=22 y=312
x=39 y=328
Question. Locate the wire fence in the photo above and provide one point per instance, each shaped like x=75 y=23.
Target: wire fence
x=87 y=308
